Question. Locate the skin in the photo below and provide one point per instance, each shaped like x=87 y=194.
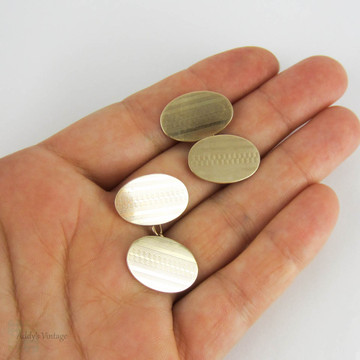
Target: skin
x=63 y=246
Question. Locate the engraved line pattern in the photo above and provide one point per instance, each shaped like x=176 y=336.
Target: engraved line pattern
x=225 y=159
x=154 y=199
x=158 y=261
x=198 y=127
x=190 y=104
x=183 y=119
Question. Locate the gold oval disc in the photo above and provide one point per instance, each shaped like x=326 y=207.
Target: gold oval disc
x=195 y=115
x=152 y=199
x=224 y=159
x=162 y=264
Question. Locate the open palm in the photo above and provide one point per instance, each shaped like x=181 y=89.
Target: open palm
x=63 y=245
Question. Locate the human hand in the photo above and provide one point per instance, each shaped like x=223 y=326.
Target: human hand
x=62 y=264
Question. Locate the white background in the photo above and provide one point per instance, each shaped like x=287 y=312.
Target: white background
x=60 y=60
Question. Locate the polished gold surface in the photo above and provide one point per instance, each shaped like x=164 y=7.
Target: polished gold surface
x=224 y=159
x=162 y=264
x=152 y=199
x=196 y=115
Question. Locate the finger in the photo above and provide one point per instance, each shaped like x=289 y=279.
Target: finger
x=262 y=120
x=111 y=143
x=222 y=226
x=212 y=318
x=288 y=100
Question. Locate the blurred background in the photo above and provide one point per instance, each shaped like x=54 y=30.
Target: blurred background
x=60 y=60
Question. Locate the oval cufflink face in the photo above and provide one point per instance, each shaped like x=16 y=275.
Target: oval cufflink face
x=195 y=115
x=224 y=159
x=152 y=199
x=162 y=264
